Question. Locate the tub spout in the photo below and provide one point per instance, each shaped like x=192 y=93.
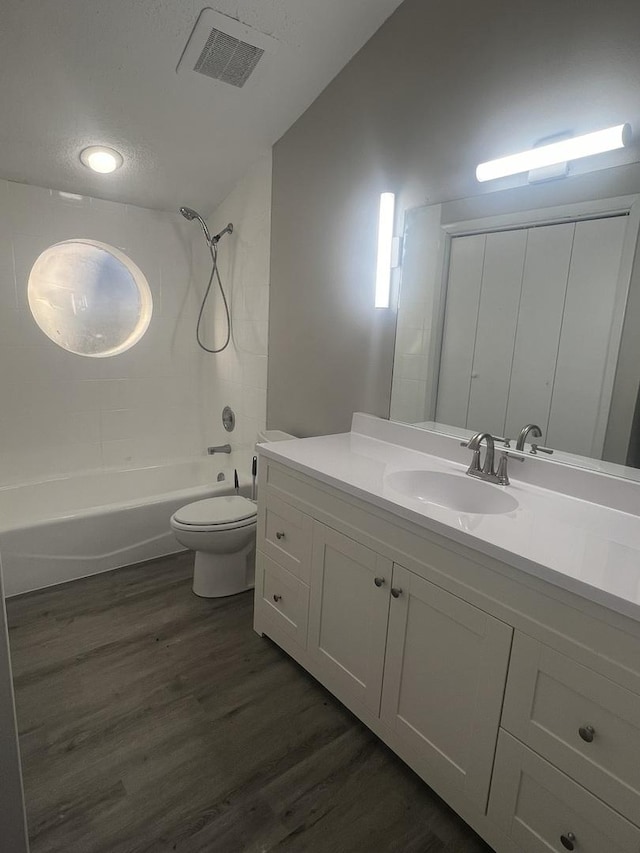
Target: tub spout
x=221 y=448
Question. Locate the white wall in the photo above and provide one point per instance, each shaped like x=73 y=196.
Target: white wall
x=238 y=376
x=63 y=413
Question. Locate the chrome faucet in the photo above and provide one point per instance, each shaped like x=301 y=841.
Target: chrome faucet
x=487 y=471
x=221 y=448
x=534 y=429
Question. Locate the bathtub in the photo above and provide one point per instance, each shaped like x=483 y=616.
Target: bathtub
x=67 y=528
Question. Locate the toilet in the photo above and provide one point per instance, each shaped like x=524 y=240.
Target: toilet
x=222 y=532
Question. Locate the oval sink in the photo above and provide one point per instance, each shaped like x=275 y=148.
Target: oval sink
x=453 y=491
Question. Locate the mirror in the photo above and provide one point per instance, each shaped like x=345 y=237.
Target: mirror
x=523 y=307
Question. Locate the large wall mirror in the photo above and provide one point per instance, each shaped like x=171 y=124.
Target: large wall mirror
x=523 y=307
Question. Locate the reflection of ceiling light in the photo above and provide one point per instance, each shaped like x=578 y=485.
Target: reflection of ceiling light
x=101 y=159
x=557 y=152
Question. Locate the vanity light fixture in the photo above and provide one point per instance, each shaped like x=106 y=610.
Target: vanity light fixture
x=555 y=153
x=385 y=241
x=101 y=159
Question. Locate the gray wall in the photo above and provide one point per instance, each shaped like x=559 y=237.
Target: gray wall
x=13 y=836
x=442 y=86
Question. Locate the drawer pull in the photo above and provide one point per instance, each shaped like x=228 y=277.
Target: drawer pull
x=396 y=592
x=277 y=597
x=586 y=733
x=280 y=534
x=378 y=581
x=568 y=841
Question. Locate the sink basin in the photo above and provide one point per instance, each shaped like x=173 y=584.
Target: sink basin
x=453 y=491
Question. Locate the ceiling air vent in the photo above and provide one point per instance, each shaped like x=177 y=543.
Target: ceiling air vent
x=224 y=49
x=228 y=59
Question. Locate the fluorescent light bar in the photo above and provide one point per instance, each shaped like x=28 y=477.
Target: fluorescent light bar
x=556 y=152
x=385 y=236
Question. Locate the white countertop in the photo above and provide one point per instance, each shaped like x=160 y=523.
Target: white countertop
x=587 y=548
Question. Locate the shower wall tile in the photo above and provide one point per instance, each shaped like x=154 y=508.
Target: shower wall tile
x=254 y=370
x=63 y=413
x=238 y=376
x=161 y=400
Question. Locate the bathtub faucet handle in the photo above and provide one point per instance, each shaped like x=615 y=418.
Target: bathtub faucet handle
x=221 y=448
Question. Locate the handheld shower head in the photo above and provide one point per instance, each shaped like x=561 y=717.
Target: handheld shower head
x=190 y=214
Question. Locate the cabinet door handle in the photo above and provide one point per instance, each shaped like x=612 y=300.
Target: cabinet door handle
x=587 y=733
x=378 y=581
x=396 y=592
x=280 y=534
x=568 y=841
x=277 y=597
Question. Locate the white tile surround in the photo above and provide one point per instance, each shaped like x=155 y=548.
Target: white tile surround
x=62 y=413
x=238 y=376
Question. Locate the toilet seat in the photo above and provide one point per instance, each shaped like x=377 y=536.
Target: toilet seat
x=227 y=512
x=212 y=528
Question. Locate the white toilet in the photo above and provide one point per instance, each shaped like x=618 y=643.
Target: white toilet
x=222 y=532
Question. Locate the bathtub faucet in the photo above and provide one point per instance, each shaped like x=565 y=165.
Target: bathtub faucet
x=222 y=448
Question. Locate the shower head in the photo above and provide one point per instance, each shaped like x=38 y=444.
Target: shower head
x=190 y=214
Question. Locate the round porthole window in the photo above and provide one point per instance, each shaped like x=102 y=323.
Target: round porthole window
x=89 y=298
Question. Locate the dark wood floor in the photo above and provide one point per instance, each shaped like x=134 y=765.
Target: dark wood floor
x=151 y=721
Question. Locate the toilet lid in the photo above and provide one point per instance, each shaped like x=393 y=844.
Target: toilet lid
x=222 y=510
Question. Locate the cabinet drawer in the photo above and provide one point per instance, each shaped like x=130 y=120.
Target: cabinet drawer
x=284 y=597
x=542 y=810
x=285 y=535
x=585 y=724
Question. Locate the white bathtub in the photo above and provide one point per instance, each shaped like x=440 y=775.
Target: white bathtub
x=63 y=529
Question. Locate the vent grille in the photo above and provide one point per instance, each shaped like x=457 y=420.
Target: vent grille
x=228 y=59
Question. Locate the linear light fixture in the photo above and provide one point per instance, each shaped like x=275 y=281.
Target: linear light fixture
x=385 y=239
x=557 y=152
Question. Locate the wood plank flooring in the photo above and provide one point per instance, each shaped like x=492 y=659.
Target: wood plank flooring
x=153 y=721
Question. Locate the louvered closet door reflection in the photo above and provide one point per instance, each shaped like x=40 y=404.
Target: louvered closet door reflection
x=459 y=334
x=532 y=331
x=590 y=338
x=497 y=318
x=544 y=285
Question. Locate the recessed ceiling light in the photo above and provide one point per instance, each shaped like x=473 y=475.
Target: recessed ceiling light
x=101 y=159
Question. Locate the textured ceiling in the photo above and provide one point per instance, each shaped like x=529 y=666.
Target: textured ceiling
x=82 y=72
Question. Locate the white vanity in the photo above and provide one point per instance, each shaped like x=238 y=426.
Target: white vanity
x=497 y=653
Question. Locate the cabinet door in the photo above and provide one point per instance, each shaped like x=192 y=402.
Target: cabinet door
x=445 y=673
x=348 y=614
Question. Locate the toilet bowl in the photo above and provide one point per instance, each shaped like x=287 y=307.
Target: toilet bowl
x=222 y=532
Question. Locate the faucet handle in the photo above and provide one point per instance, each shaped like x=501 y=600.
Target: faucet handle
x=537 y=448
x=497 y=438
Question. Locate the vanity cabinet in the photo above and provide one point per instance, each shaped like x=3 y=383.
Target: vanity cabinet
x=445 y=672
x=542 y=809
x=349 y=607
x=518 y=702
x=586 y=724
x=443 y=661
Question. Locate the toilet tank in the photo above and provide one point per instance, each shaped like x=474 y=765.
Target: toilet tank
x=266 y=435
